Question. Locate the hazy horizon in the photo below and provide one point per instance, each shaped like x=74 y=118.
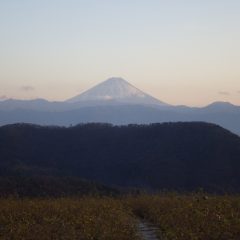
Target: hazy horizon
x=181 y=52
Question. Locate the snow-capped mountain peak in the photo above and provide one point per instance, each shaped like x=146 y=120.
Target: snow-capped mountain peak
x=118 y=90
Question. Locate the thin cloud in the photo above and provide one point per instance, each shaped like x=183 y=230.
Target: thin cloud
x=3 y=97
x=224 y=93
x=27 y=88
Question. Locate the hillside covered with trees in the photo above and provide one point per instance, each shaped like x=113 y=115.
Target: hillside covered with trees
x=170 y=156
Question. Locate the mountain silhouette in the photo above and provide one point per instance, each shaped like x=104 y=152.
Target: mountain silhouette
x=173 y=156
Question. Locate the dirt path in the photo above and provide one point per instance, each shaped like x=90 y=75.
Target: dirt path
x=147 y=231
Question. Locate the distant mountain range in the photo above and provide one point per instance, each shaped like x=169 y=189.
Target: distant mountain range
x=118 y=102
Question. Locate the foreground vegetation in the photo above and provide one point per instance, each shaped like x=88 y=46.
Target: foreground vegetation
x=82 y=219
x=178 y=217
x=191 y=217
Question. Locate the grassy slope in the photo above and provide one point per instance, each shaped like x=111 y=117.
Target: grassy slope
x=179 y=217
x=191 y=217
x=80 y=219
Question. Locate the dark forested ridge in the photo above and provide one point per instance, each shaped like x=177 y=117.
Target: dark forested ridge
x=51 y=186
x=180 y=156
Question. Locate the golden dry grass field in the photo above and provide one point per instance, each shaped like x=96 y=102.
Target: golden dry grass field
x=178 y=217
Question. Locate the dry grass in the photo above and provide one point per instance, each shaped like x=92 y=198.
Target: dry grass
x=82 y=219
x=190 y=217
x=195 y=217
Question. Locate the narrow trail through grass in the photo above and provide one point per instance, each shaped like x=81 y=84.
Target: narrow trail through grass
x=147 y=231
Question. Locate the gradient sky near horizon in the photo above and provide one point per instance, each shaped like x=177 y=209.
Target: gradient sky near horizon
x=180 y=51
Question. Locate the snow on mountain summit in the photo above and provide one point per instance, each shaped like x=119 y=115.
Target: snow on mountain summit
x=117 y=90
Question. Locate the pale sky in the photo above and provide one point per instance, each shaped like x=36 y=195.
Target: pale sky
x=180 y=51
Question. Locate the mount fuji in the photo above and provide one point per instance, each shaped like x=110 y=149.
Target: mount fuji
x=118 y=91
